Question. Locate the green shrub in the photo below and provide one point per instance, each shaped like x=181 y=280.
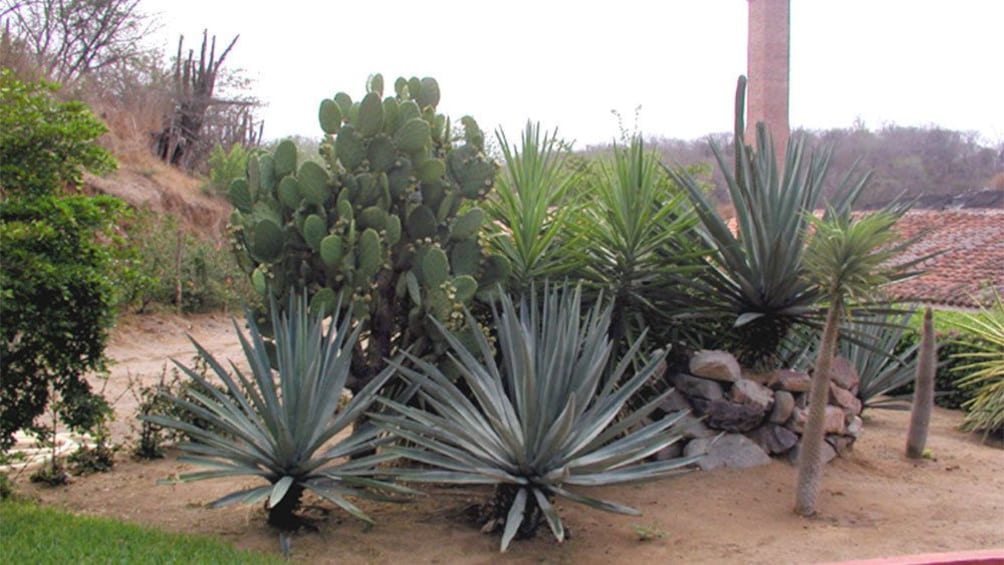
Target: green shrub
x=56 y=302
x=209 y=275
x=982 y=370
x=45 y=144
x=225 y=167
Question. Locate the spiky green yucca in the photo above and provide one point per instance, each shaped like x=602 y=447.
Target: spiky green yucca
x=533 y=208
x=277 y=424
x=984 y=370
x=541 y=419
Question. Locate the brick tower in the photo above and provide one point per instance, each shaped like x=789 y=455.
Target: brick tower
x=767 y=70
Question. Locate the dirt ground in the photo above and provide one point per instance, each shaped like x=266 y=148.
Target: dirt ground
x=874 y=503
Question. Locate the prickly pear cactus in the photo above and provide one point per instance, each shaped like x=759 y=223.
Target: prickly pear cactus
x=390 y=220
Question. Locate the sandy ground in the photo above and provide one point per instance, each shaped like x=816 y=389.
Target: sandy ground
x=874 y=503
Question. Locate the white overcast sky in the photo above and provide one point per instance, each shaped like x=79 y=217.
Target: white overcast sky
x=567 y=64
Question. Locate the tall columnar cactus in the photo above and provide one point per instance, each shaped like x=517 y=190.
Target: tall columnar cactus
x=923 y=390
x=387 y=220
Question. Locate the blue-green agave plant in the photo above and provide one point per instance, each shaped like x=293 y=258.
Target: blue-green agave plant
x=281 y=424
x=539 y=417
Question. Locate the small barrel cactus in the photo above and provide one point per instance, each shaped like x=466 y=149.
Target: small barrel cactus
x=389 y=221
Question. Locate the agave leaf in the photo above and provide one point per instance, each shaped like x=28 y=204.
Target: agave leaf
x=279 y=490
x=248 y=496
x=514 y=519
x=332 y=495
x=596 y=502
x=550 y=514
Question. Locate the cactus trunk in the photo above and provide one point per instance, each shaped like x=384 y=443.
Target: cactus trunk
x=923 y=390
x=810 y=461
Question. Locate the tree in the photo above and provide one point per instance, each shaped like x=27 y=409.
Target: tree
x=70 y=39
x=56 y=295
x=923 y=390
x=848 y=260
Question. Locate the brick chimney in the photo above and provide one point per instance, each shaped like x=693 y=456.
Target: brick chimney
x=767 y=71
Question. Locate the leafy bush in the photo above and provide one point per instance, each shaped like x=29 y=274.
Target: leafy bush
x=541 y=419
x=56 y=304
x=225 y=167
x=209 y=275
x=274 y=425
x=45 y=144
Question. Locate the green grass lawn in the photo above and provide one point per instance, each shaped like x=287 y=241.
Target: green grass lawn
x=32 y=534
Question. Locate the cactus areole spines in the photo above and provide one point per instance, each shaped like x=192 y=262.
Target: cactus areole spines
x=383 y=221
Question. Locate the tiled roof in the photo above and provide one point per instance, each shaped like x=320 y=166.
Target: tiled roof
x=971 y=243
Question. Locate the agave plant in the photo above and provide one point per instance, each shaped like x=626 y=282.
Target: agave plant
x=281 y=425
x=540 y=421
x=984 y=368
x=755 y=278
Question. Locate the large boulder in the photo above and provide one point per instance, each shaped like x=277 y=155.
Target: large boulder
x=843 y=373
x=828 y=452
x=691 y=427
x=792 y=381
x=833 y=422
x=730 y=450
x=715 y=365
x=784 y=405
x=774 y=439
x=734 y=417
x=753 y=394
x=696 y=387
x=845 y=399
x=674 y=402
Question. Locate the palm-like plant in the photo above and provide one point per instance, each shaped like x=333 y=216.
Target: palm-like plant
x=634 y=238
x=847 y=261
x=277 y=424
x=985 y=368
x=755 y=277
x=533 y=207
x=543 y=421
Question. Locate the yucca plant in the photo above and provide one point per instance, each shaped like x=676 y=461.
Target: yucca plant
x=539 y=420
x=281 y=424
x=532 y=207
x=984 y=370
x=755 y=280
x=634 y=237
x=847 y=260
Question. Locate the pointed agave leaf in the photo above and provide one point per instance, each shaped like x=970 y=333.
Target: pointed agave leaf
x=596 y=502
x=249 y=496
x=279 y=490
x=550 y=514
x=514 y=519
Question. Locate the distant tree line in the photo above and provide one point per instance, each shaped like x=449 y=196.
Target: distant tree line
x=905 y=161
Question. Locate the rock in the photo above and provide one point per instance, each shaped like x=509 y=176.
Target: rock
x=784 y=404
x=844 y=399
x=734 y=451
x=733 y=417
x=844 y=374
x=716 y=365
x=792 y=381
x=671 y=451
x=696 y=387
x=675 y=402
x=691 y=427
x=774 y=439
x=855 y=427
x=843 y=445
x=827 y=451
x=750 y=393
x=766 y=379
x=833 y=422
